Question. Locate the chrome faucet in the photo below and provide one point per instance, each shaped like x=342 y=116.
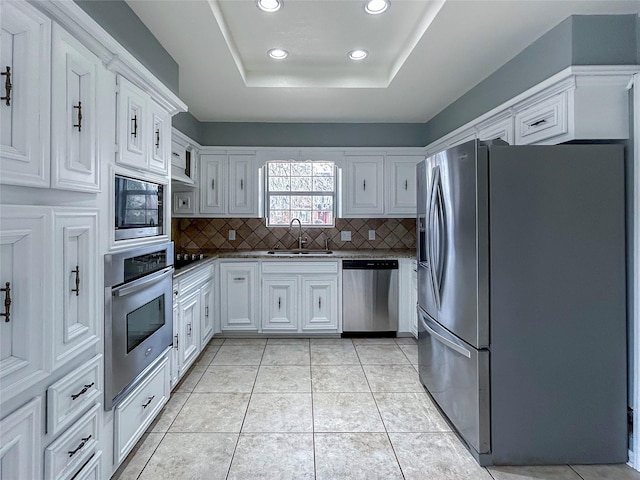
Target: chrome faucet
x=301 y=241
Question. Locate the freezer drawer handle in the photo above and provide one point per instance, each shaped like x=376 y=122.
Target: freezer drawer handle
x=448 y=343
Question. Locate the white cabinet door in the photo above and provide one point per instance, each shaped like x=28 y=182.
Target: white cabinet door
x=212 y=179
x=319 y=303
x=26 y=282
x=238 y=296
x=401 y=178
x=160 y=139
x=20 y=434
x=174 y=354
x=133 y=129
x=76 y=287
x=189 y=339
x=501 y=128
x=414 y=299
x=363 y=188
x=243 y=185
x=279 y=303
x=74 y=113
x=206 y=315
x=25 y=63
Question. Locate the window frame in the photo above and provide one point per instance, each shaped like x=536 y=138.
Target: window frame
x=290 y=193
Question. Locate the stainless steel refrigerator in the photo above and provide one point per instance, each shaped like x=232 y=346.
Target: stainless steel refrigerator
x=521 y=300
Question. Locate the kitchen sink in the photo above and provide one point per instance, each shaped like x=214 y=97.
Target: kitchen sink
x=300 y=252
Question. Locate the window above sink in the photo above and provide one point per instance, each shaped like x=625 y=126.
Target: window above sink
x=303 y=190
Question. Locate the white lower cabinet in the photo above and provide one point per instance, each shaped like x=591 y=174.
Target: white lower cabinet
x=132 y=417
x=73 y=394
x=414 y=300
x=189 y=307
x=192 y=318
x=66 y=456
x=206 y=314
x=239 y=296
x=279 y=303
x=92 y=470
x=300 y=297
x=407 y=297
x=319 y=303
x=20 y=436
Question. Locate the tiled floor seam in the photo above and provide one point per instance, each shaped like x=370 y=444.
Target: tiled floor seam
x=245 y=412
x=574 y=470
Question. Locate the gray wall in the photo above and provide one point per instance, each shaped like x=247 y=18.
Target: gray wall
x=189 y=125
x=313 y=134
x=123 y=24
x=578 y=40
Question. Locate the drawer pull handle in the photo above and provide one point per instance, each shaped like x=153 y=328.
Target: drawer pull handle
x=150 y=399
x=364 y=185
x=79 y=108
x=77 y=272
x=213 y=184
x=7 y=302
x=134 y=130
x=539 y=122
x=82 y=444
x=83 y=391
x=278 y=303
x=406 y=184
x=7 y=86
x=158 y=139
x=319 y=303
x=241 y=184
x=239 y=279
x=189 y=329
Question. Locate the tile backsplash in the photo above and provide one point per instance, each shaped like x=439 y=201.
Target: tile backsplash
x=203 y=235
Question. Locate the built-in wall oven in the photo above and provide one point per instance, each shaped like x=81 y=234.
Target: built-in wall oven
x=138 y=315
x=138 y=208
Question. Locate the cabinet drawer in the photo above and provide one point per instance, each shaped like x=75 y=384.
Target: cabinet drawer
x=137 y=411
x=542 y=120
x=65 y=457
x=298 y=267
x=73 y=394
x=92 y=470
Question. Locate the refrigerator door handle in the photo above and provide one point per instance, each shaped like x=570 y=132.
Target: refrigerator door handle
x=423 y=257
x=442 y=236
x=433 y=198
x=445 y=341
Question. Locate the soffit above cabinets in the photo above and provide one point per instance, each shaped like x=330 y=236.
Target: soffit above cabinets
x=423 y=54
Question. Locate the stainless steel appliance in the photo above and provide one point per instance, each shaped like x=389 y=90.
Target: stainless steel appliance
x=370 y=296
x=521 y=293
x=138 y=314
x=138 y=208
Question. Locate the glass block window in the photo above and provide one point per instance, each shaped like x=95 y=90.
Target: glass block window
x=303 y=190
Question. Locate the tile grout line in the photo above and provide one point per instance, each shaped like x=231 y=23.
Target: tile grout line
x=313 y=417
x=245 y=412
x=574 y=470
x=380 y=414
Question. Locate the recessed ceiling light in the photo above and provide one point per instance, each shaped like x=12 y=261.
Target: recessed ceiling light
x=375 y=7
x=270 y=5
x=358 y=54
x=278 y=53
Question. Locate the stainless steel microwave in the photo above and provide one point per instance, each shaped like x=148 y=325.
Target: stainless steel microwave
x=138 y=208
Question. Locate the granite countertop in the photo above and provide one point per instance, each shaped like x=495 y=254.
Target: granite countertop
x=263 y=255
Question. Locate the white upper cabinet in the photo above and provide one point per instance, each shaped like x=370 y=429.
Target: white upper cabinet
x=144 y=130
x=495 y=128
x=25 y=91
x=212 y=183
x=133 y=129
x=243 y=185
x=401 y=181
x=74 y=140
x=363 y=186
x=161 y=139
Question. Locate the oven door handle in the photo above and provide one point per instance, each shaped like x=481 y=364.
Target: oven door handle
x=142 y=283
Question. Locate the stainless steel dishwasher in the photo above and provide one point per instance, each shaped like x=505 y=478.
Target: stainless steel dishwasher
x=369 y=296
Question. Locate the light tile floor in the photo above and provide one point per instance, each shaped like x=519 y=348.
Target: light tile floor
x=325 y=409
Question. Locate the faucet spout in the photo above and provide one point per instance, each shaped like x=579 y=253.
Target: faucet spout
x=300 y=240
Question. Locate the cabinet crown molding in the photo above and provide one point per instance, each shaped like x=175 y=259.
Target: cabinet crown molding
x=112 y=54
